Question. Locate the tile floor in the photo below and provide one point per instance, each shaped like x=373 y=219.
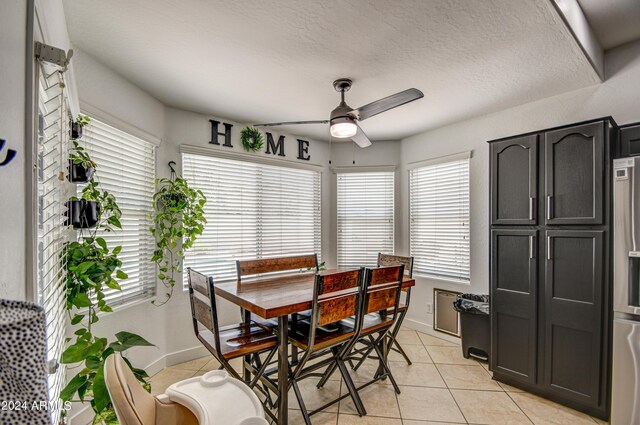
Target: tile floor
x=441 y=387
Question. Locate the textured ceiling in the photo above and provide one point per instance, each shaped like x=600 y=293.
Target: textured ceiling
x=615 y=22
x=259 y=61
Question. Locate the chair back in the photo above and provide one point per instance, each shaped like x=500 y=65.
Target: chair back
x=392 y=260
x=382 y=288
x=204 y=312
x=336 y=296
x=132 y=403
x=277 y=264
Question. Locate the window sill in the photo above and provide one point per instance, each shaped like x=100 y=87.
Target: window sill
x=444 y=279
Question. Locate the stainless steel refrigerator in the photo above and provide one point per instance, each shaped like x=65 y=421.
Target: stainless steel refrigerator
x=625 y=407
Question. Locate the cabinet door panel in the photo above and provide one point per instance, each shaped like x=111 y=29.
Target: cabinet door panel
x=573 y=319
x=513 y=304
x=514 y=180
x=574 y=180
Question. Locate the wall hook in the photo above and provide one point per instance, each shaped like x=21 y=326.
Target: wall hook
x=173 y=171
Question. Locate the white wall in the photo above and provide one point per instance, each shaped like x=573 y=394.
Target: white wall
x=618 y=96
x=13 y=37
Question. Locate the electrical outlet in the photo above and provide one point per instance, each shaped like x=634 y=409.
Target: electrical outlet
x=429 y=308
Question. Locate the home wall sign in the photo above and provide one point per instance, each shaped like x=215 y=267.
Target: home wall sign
x=10 y=154
x=273 y=147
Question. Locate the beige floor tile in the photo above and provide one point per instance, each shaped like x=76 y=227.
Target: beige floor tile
x=416 y=353
x=365 y=372
x=467 y=377
x=406 y=422
x=321 y=418
x=408 y=337
x=161 y=381
x=448 y=355
x=432 y=340
x=194 y=365
x=212 y=364
x=545 y=412
x=418 y=374
x=366 y=420
x=489 y=407
x=378 y=400
x=599 y=421
x=315 y=397
x=429 y=404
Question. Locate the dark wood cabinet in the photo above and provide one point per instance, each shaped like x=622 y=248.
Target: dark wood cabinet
x=514 y=183
x=573 y=319
x=630 y=140
x=514 y=260
x=574 y=164
x=549 y=267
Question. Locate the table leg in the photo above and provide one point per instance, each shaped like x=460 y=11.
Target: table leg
x=283 y=369
x=246 y=375
x=294 y=349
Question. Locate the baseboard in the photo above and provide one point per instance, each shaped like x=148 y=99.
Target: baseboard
x=427 y=328
x=85 y=414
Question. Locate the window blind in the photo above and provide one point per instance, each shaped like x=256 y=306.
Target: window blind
x=126 y=168
x=365 y=217
x=253 y=211
x=51 y=157
x=439 y=220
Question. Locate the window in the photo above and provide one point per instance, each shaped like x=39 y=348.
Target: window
x=253 y=211
x=439 y=218
x=51 y=157
x=126 y=168
x=365 y=217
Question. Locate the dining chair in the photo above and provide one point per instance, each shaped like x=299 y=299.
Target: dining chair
x=248 y=339
x=382 y=288
x=134 y=405
x=336 y=296
x=403 y=308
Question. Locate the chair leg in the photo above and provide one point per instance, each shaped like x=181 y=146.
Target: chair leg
x=393 y=335
x=400 y=350
x=383 y=364
x=327 y=375
x=363 y=358
x=353 y=392
x=303 y=408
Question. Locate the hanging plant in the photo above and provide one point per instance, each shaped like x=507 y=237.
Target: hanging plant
x=92 y=267
x=251 y=138
x=77 y=125
x=178 y=216
x=81 y=167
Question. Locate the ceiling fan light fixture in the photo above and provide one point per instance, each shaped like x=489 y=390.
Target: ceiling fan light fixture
x=343 y=127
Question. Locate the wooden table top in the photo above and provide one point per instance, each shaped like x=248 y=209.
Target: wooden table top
x=277 y=296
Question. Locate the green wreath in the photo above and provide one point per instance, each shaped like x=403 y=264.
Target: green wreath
x=252 y=140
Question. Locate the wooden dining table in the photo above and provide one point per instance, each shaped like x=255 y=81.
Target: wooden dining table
x=279 y=297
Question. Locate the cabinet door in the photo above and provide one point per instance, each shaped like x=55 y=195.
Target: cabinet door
x=630 y=140
x=513 y=304
x=574 y=179
x=573 y=328
x=514 y=179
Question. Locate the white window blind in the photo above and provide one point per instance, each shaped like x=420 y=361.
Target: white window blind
x=51 y=159
x=253 y=211
x=439 y=220
x=126 y=168
x=365 y=217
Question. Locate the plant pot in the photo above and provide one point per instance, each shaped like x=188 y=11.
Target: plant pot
x=78 y=173
x=82 y=214
x=76 y=131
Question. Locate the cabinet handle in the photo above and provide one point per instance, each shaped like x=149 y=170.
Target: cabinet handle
x=532 y=249
x=549 y=206
x=549 y=249
x=531 y=207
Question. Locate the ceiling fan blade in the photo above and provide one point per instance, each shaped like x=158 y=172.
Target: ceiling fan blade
x=361 y=139
x=271 y=124
x=389 y=102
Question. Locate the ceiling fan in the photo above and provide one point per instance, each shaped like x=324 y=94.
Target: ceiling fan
x=344 y=119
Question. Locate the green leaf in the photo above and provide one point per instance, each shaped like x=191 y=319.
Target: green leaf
x=81 y=300
x=127 y=340
x=75 y=353
x=116 y=250
x=71 y=388
x=113 y=220
x=100 y=395
x=77 y=319
x=93 y=362
x=102 y=243
x=111 y=283
x=80 y=331
x=121 y=275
